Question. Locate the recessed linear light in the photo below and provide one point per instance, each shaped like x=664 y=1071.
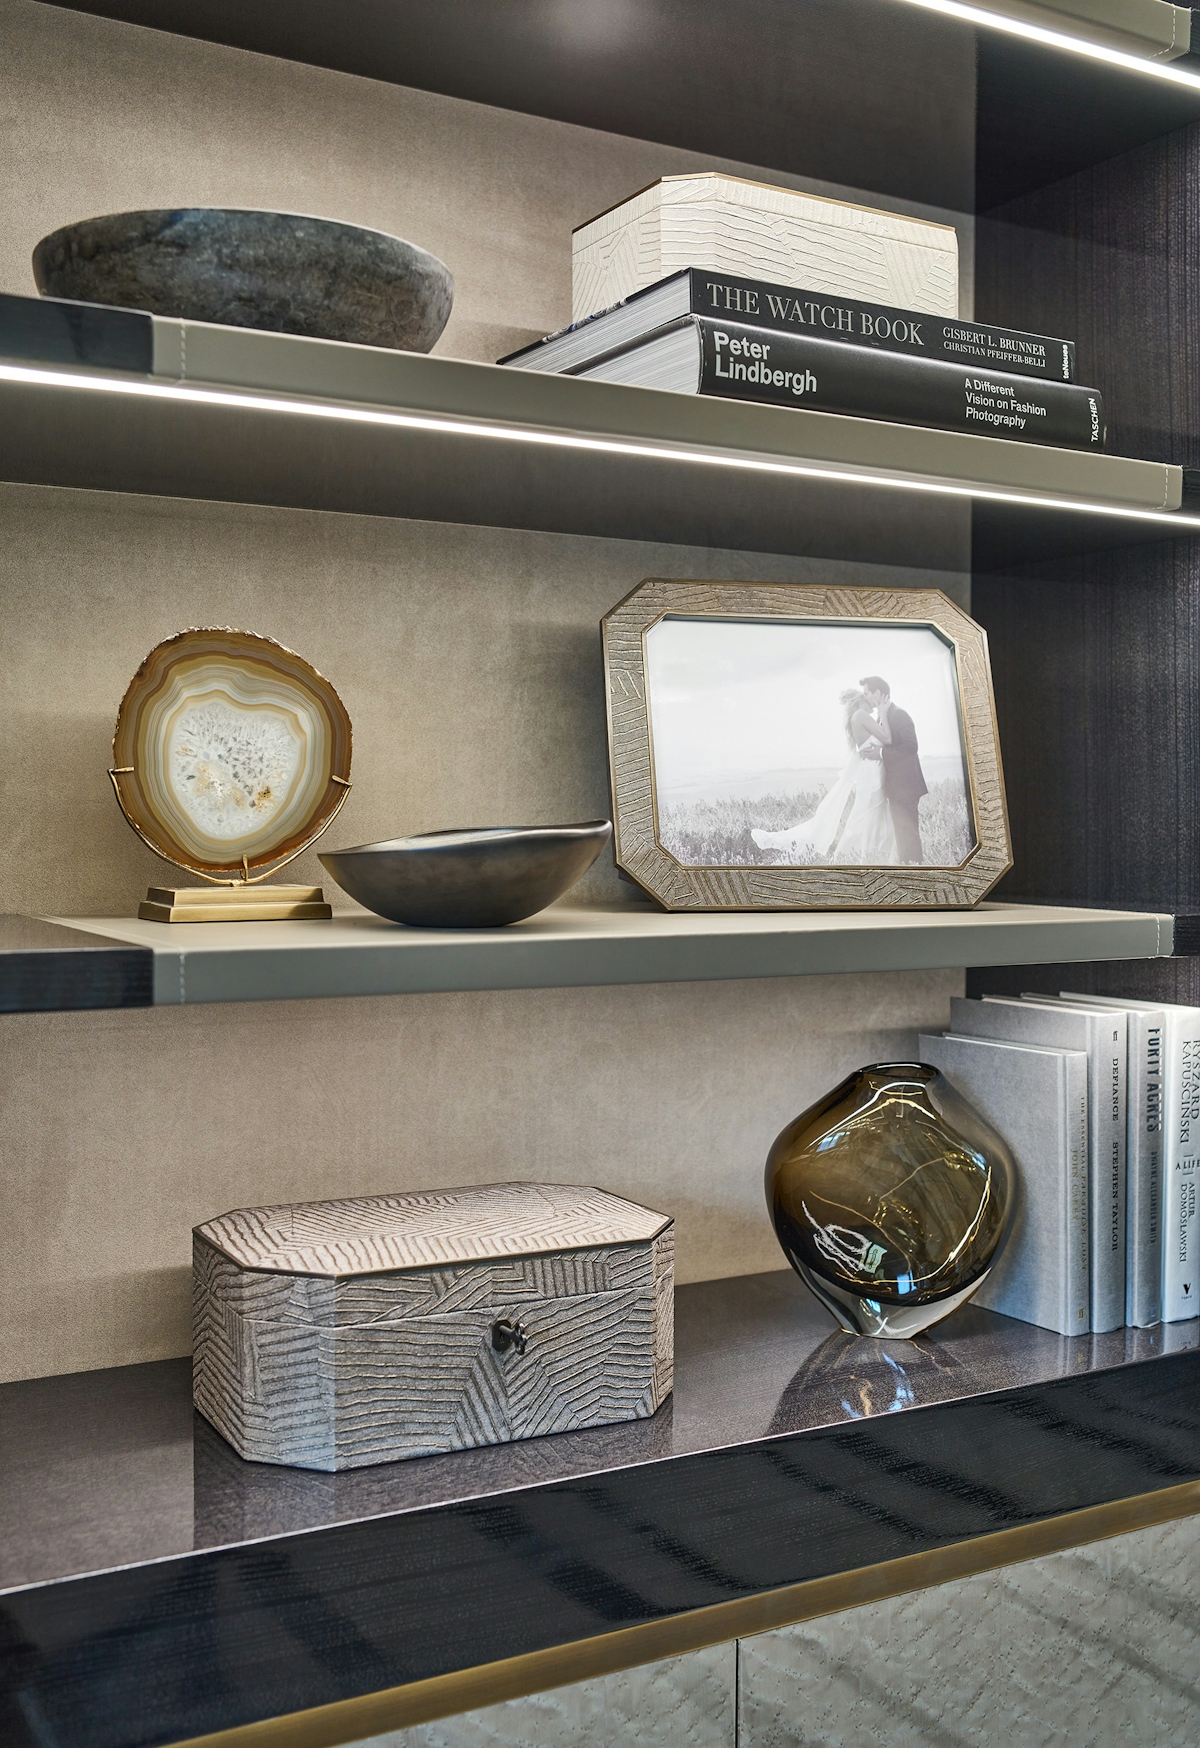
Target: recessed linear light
x=1057 y=39
x=457 y=427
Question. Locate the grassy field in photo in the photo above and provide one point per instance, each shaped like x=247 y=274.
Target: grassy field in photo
x=716 y=834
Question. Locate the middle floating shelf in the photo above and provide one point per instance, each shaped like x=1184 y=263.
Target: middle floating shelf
x=317 y=424
x=572 y=946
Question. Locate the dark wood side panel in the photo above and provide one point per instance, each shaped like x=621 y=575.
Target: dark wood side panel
x=1095 y=657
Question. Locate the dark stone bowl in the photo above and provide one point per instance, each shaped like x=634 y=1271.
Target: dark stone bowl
x=473 y=879
x=274 y=270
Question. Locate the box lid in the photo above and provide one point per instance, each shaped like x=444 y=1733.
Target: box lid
x=364 y=1235
x=715 y=184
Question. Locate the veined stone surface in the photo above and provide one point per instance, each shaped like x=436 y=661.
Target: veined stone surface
x=228 y=745
x=682 y=1702
x=731 y=225
x=1098 y=1647
x=1092 y=1648
x=334 y=1335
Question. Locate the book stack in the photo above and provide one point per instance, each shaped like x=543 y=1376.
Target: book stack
x=1099 y=1098
x=683 y=282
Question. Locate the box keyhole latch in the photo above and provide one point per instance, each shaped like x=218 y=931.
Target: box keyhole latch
x=506 y=1335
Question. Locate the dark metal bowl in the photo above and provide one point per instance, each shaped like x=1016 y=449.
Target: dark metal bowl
x=276 y=270
x=471 y=879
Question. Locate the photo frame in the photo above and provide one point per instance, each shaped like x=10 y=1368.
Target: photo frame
x=753 y=767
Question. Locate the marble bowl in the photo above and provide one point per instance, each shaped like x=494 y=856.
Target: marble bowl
x=275 y=270
x=472 y=879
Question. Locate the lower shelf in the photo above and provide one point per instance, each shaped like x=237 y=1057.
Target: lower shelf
x=565 y=946
x=154 y=1587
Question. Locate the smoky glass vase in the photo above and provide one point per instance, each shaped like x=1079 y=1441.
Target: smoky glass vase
x=891 y=1197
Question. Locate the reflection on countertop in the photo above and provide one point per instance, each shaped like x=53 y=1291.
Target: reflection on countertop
x=102 y=1469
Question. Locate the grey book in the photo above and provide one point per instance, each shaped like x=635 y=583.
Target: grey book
x=1037 y=1099
x=1181 y=1153
x=1144 y=1137
x=1102 y=1034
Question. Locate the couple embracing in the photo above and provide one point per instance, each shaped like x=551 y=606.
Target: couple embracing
x=870 y=815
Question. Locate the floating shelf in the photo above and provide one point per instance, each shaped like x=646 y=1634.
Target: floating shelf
x=44 y=967
x=157 y=1587
x=317 y=424
x=570 y=946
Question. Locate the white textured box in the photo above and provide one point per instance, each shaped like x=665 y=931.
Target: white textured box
x=758 y=232
x=329 y=1335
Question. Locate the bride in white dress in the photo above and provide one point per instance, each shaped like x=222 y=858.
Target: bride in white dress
x=853 y=822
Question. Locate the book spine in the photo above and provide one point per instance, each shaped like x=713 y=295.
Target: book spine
x=755 y=364
x=1144 y=1131
x=1181 y=1291
x=1077 y=1264
x=724 y=296
x=1107 y=1168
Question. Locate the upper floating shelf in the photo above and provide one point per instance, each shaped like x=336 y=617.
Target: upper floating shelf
x=840 y=90
x=570 y=946
x=316 y=424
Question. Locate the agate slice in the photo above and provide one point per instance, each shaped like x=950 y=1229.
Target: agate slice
x=231 y=753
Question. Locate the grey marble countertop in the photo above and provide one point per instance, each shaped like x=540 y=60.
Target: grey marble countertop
x=113 y=1468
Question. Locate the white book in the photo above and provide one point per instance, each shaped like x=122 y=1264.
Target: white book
x=727 y=224
x=1144 y=1137
x=1101 y=1033
x=1181 y=1153
x=1037 y=1099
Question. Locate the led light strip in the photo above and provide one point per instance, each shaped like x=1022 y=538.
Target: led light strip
x=459 y=427
x=1057 y=39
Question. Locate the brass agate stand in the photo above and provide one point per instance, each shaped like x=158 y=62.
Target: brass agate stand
x=227 y=899
x=235 y=668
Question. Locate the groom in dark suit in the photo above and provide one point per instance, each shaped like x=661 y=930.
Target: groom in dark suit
x=903 y=779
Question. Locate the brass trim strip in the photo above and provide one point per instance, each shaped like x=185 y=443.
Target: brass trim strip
x=396 y=1708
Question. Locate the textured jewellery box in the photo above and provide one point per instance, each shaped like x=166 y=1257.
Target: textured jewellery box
x=728 y=225
x=330 y=1335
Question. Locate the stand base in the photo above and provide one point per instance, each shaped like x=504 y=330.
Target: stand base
x=233 y=904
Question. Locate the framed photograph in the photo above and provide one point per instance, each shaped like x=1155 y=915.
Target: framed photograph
x=780 y=746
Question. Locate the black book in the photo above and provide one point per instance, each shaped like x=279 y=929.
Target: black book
x=698 y=292
x=698 y=356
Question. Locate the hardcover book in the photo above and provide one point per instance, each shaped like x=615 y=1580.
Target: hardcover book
x=1181 y=1153
x=726 y=224
x=1144 y=1136
x=1101 y=1034
x=1037 y=1099
x=792 y=311
x=697 y=355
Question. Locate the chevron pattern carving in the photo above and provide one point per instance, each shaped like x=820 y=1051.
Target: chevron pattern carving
x=428 y=1229
x=631 y=758
x=328 y=1352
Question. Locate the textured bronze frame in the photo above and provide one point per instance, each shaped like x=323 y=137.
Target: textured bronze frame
x=397 y=1708
x=636 y=843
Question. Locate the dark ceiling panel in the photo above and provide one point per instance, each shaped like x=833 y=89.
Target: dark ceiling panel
x=870 y=94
